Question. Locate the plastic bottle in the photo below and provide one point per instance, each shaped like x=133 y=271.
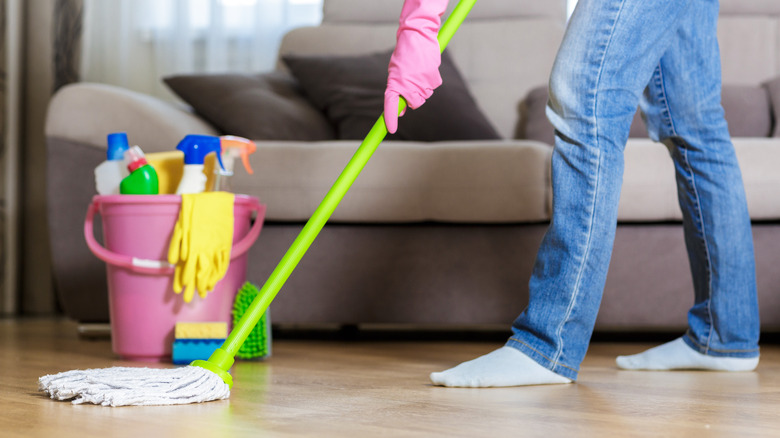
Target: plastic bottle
x=142 y=179
x=111 y=172
x=232 y=147
x=195 y=148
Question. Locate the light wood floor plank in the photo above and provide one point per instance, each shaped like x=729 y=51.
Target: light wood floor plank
x=364 y=389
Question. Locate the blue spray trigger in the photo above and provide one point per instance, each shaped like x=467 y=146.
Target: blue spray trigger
x=196 y=147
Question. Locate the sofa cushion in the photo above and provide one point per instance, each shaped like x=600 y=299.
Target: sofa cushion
x=749 y=43
x=350 y=91
x=257 y=106
x=747 y=110
x=649 y=191
x=465 y=181
x=758 y=158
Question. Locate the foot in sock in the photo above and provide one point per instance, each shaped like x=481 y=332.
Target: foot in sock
x=677 y=355
x=506 y=366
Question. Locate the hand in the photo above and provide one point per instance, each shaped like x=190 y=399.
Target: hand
x=413 y=72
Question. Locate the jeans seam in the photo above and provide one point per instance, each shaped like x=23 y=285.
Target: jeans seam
x=700 y=219
x=665 y=101
x=708 y=348
x=692 y=182
x=583 y=262
x=553 y=363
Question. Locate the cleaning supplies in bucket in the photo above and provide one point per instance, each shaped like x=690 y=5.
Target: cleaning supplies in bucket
x=170 y=167
x=232 y=147
x=111 y=172
x=195 y=148
x=143 y=306
x=189 y=169
x=142 y=179
x=201 y=242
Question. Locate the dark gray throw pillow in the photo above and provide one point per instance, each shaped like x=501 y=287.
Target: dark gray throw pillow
x=773 y=88
x=256 y=106
x=746 y=108
x=349 y=90
x=534 y=124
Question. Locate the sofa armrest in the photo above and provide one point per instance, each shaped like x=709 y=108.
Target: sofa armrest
x=87 y=112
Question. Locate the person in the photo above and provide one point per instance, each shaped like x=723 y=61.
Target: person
x=660 y=55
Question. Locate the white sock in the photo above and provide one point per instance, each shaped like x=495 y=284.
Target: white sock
x=677 y=355
x=506 y=366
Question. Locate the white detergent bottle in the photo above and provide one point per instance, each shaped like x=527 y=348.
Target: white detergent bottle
x=195 y=148
x=110 y=173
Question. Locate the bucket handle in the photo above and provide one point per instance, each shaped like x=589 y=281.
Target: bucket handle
x=146 y=266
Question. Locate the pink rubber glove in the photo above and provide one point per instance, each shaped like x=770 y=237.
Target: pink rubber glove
x=414 y=67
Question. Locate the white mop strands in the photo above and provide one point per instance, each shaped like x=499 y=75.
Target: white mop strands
x=123 y=386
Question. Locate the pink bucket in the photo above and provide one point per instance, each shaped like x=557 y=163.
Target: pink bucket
x=144 y=309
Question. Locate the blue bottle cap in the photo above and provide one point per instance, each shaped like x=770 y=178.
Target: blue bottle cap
x=117 y=145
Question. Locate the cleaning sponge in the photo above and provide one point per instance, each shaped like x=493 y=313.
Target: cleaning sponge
x=200 y=330
x=197 y=340
x=187 y=350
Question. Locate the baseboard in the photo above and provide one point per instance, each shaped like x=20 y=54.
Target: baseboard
x=94 y=330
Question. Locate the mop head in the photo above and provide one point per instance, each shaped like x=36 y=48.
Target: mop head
x=123 y=386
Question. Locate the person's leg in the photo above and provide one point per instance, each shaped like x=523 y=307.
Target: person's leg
x=682 y=108
x=606 y=59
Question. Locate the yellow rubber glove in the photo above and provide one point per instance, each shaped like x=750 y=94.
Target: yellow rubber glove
x=201 y=242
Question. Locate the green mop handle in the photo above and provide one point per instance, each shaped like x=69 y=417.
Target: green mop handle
x=223 y=357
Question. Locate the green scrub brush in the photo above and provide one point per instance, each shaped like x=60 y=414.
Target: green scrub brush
x=258 y=344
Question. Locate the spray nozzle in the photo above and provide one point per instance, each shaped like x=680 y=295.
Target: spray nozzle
x=242 y=146
x=196 y=147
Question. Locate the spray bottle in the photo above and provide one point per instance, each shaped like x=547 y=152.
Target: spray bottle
x=142 y=179
x=111 y=172
x=195 y=148
x=232 y=147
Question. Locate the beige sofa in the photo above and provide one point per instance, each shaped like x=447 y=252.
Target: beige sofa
x=443 y=233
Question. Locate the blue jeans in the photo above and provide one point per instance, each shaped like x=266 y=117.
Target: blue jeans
x=663 y=56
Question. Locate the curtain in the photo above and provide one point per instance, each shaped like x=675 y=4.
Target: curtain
x=7 y=297
x=67 y=38
x=134 y=43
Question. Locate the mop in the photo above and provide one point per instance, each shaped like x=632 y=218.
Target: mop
x=210 y=380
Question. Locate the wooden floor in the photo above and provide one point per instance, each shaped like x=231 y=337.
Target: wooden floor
x=323 y=388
